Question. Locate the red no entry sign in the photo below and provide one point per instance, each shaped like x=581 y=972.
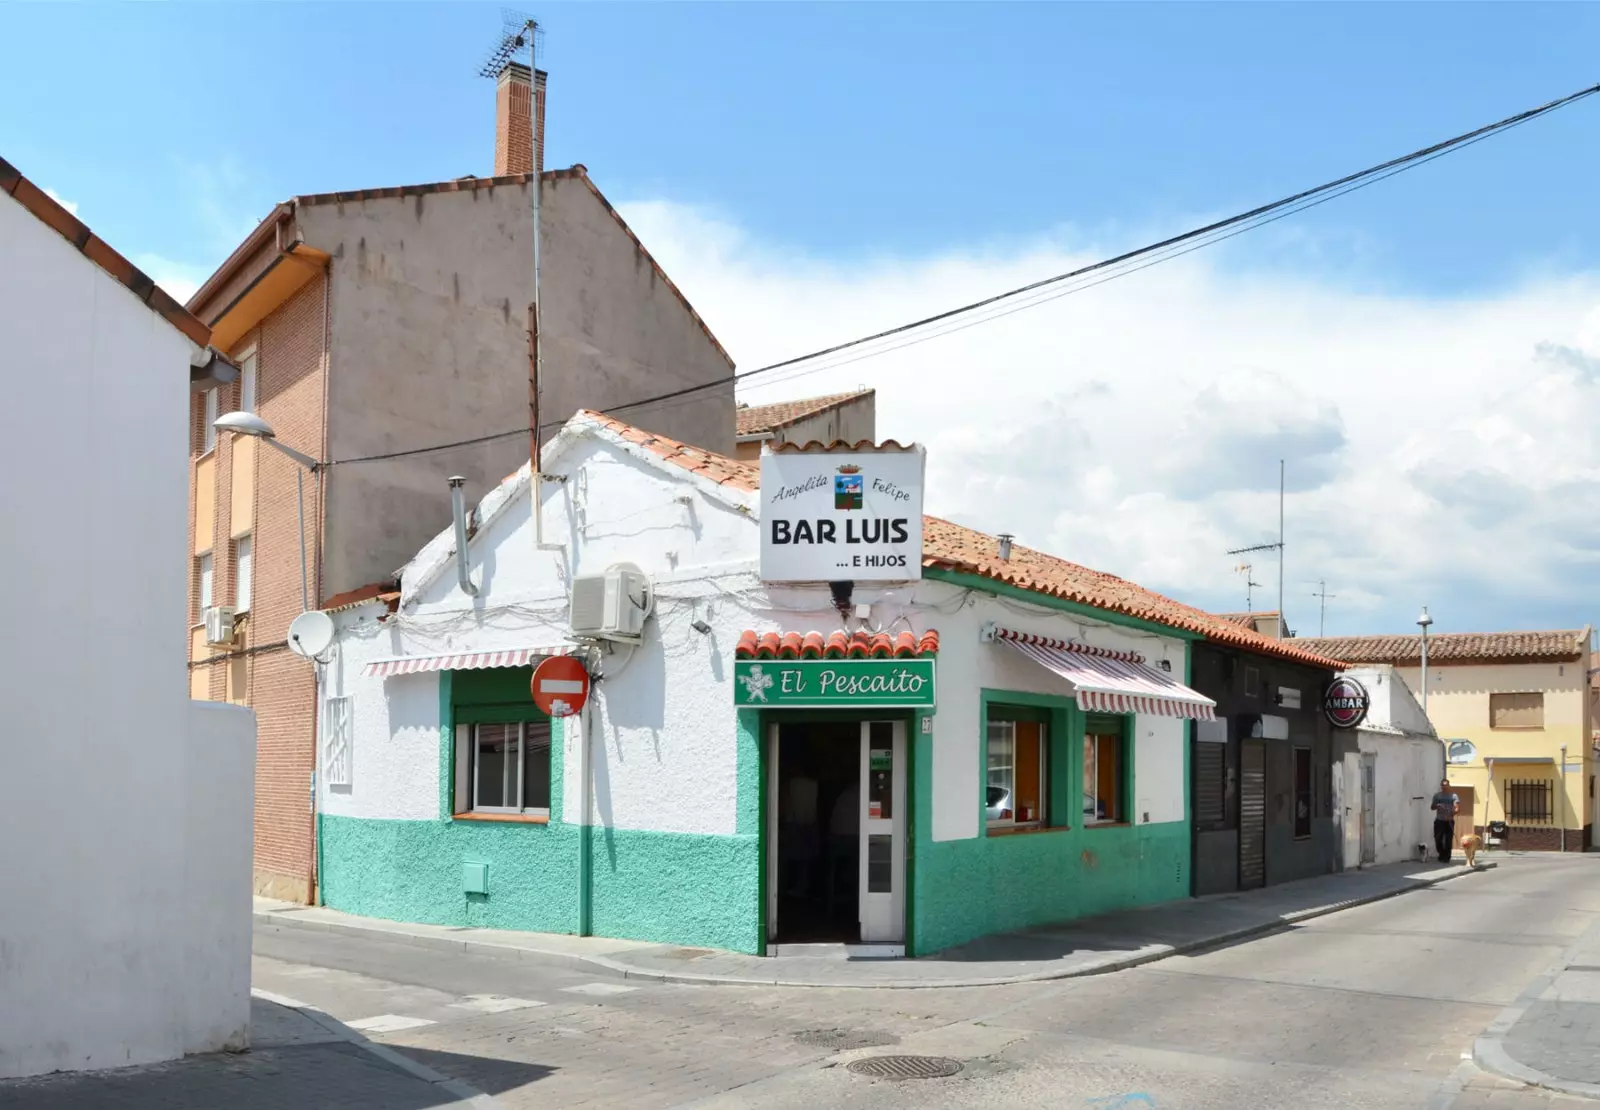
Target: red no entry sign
x=560 y=686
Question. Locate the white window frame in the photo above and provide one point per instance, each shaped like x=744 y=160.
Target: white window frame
x=208 y=583
x=244 y=572
x=338 y=741
x=1009 y=729
x=1091 y=815
x=249 y=382
x=467 y=769
x=208 y=431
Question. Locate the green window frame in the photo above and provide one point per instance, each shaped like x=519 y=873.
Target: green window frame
x=1106 y=770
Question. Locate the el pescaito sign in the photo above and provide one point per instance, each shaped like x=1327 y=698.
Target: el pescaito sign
x=829 y=683
x=842 y=515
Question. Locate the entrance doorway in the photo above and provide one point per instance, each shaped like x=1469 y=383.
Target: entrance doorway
x=836 y=831
x=1369 y=808
x=1252 y=814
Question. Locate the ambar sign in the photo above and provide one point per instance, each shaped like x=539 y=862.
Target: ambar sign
x=1346 y=702
x=831 y=516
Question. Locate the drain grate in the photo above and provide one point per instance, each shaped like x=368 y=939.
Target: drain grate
x=842 y=1040
x=905 y=1067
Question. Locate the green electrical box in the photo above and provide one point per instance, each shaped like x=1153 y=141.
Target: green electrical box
x=475 y=878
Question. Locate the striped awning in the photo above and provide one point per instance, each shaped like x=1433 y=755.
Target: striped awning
x=461 y=661
x=1110 y=681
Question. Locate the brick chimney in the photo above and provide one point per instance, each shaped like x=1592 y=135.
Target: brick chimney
x=519 y=142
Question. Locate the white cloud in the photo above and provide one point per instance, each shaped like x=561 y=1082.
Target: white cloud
x=1440 y=450
x=70 y=205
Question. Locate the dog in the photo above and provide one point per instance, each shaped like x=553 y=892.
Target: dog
x=1469 y=846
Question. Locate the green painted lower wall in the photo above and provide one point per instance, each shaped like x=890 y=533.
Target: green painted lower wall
x=675 y=888
x=969 y=888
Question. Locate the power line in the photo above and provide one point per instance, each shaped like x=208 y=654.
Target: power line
x=1102 y=271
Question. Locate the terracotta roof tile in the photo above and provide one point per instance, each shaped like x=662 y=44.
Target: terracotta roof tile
x=754 y=419
x=385 y=592
x=98 y=251
x=1456 y=647
x=1248 y=619
x=835 y=645
x=957 y=548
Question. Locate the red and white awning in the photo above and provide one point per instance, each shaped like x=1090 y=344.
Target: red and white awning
x=1112 y=682
x=461 y=661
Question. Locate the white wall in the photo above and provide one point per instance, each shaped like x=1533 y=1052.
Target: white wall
x=124 y=811
x=1408 y=764
x=664 y=726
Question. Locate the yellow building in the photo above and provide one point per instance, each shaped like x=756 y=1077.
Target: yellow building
x=1523 y=703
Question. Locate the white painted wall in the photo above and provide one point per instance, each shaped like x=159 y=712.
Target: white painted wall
x=664 y=727
x=124 y=808
x=1408 y=764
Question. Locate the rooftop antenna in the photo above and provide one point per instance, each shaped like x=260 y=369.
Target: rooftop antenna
x=1283 y=622
x=1249 y=585
x=519 y=31
x=1322 y=615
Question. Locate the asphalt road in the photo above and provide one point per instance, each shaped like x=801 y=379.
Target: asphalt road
x=1376 y=1006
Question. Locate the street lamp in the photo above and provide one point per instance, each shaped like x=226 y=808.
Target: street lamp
x=249 y=424
x=1423 y=622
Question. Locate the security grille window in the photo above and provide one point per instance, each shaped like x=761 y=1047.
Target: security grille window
x=1104 y=775
x=338 y=757
x=1516 y=710
x=1302 y=792
x=1211 y=785
x=1529 y=801
x=1016 y=782
x=508 y=768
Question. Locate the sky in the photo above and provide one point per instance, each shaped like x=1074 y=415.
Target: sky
x=1425 y=353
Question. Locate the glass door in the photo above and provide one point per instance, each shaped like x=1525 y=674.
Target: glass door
x=883 y=822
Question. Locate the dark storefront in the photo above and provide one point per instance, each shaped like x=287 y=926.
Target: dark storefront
x=1262 y=772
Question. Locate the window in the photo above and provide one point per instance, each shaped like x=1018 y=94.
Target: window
x=337 y=757
x=1014 y=793
x=208 y=427
x=205 y=582
x=1529 y=801
x=506 y=767
x=247 y=383
x=244 y=572
x=1516 y=710
x=1302 y=792
x=1252 y=682
x=1104 y=775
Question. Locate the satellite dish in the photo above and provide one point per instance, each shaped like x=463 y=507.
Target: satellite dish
x=311 y=633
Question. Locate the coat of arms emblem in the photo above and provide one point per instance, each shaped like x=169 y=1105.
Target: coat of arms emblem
x=847 y=487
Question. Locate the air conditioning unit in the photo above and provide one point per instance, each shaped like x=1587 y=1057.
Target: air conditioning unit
x=219 y=624
x=612 y=605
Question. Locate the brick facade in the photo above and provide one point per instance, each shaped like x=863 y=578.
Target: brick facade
x=260 y=670
x=519 y=121
x=1522 y=838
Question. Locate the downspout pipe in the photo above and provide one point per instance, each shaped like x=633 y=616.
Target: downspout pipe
x=458 y=507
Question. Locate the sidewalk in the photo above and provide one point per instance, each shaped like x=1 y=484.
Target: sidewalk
x=299 y=1057
x=1550 y=1036
x=1086 y=947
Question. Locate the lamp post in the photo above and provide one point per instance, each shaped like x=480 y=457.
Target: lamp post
x=249 y=424
x=1423 y=622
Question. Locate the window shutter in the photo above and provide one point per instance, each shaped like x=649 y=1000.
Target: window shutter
x=337 y=757
x=1210 y=783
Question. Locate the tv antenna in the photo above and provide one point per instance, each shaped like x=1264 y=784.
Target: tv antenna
x=519 y=31
x=1249 y=585
x=1283 y=620
x=1322 y=615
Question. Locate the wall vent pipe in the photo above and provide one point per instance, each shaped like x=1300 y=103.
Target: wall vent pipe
x=458 y=508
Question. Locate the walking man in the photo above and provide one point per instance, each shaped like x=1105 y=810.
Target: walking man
x=1445 y=804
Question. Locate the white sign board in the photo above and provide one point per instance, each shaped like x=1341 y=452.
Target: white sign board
x=841 y=516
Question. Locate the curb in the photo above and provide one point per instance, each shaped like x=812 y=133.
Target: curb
x=625 y=970
x=453 y=1087
x=1489 y=1049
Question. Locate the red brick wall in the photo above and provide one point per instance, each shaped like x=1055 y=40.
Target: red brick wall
x=279 y=685
x=1543 y=839
x=513 y=122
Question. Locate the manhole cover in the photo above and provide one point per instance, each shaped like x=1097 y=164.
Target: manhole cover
x=841 y=1040
x=905 y=1067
